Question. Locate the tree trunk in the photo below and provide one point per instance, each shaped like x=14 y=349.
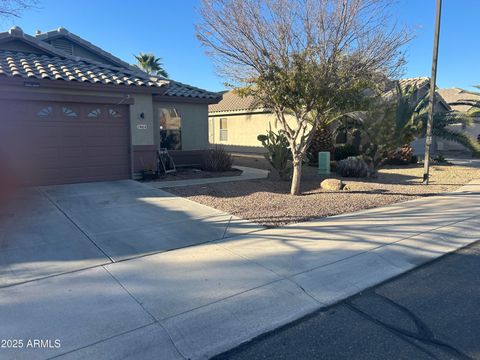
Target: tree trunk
x=297 y=174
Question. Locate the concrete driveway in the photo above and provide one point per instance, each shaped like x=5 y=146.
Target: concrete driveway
x=196 y=302
x=52 y=230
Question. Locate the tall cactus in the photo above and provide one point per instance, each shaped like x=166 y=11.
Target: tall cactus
x=278 y=152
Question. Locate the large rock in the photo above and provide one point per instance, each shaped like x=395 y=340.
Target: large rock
x=332 y=184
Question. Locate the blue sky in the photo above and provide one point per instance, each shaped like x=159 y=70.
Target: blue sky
x=166 y=28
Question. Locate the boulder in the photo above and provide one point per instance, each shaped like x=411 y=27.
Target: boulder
x=332 y=184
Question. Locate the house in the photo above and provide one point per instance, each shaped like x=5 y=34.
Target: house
x=235 y=121
x=72 y=112
x=452 y=97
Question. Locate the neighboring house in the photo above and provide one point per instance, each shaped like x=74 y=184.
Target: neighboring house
x=454 y=95
x=71 y=112
x=235 y=122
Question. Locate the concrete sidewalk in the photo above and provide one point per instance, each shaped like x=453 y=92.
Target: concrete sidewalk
x=199 y=301
x=248 y=173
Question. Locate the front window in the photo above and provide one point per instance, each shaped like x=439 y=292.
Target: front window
x=223 y=129
x=170 y=129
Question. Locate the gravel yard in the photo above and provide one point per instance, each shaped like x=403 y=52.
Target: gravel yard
x=269 y=203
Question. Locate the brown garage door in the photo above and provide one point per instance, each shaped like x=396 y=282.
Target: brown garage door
x=59 y=143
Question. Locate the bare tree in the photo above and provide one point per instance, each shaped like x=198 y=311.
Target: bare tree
x=13 y=8
x=310 y=59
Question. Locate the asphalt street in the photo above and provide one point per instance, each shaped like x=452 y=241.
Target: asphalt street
x=432 y=312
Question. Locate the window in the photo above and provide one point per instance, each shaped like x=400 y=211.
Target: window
x=223 y=130
x=114 y=113
x=68 y=112
x=170 y=128
x=94 y=113
x=211 y=130
x=46 y=111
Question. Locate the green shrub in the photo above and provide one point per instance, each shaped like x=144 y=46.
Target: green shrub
x=353 y=167
x=216 y=159
x=278 y=152
x=345 y=151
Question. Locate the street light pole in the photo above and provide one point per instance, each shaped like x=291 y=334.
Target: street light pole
x=433 y=81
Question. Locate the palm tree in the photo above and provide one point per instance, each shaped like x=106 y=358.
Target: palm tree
x=150 y=64
x=396 y=120
x=442 y=122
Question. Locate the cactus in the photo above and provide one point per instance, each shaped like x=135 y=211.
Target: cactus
x=278 y=152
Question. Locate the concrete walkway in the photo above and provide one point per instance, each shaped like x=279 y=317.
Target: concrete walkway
x=248 y=173
x=196 y=302
x=465 y=162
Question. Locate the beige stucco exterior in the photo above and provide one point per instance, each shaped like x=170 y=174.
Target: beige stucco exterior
x=142 y=120
x=242 y=129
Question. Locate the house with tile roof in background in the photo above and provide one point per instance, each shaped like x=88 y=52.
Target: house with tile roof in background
x=463 y=101
x=72 y=112
x=235 y=121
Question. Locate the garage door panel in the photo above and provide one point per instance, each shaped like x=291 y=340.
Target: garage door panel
x=114 y=151
x=67 y=143
x=91 y=153
x=113 y=133
x=81 y=161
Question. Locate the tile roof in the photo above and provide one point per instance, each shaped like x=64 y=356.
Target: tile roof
x=455 y=94
x=33 y=66
x=56 y=64
x=418 y=82
x=231 y=101
x=176 y=88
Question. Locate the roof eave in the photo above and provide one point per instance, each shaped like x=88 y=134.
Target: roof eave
x=185 y=99
x=240 y=112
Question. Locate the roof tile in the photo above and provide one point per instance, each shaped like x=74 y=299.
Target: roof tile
x=55 y=68
x=59 y=65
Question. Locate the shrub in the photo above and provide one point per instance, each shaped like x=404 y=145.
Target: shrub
x=353 y=167
x=344 y=151
x=278 y=152
x=216 y=159
x=440 y=159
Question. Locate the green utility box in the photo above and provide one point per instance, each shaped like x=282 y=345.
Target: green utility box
x=324 y=163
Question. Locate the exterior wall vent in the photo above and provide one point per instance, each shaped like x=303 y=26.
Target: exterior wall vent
x=64 y=45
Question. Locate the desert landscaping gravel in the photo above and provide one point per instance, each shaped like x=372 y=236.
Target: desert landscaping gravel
x=269 y=203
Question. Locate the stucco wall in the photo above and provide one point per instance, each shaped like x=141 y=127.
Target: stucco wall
x=471 y=130
x=242 y=130
x=194 y=124
x=142 y=129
